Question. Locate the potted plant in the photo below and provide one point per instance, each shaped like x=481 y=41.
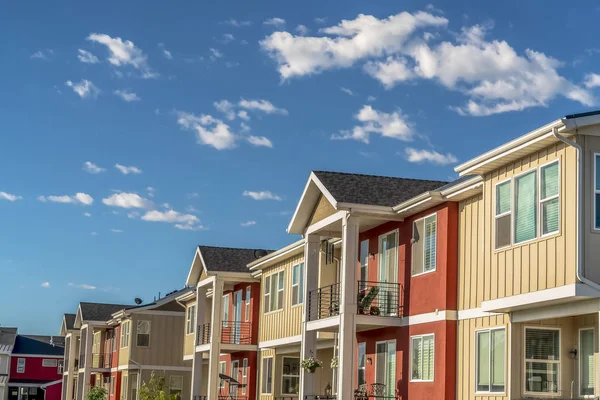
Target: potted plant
x=334 y=362
x=311 y=363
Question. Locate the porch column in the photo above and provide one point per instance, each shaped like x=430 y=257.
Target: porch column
x=347 y=333
x=215 y=339
x=197 y=360
x=87 y=367
x=309 y=338
x=70 y=365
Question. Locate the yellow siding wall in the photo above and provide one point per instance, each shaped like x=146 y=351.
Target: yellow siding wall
x=322 y=210
x=487 y=274
x=124 y=352
x=466 y=355
x=166 y=340
x=188 y=340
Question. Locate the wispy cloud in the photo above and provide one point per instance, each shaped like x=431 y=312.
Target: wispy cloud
x=302 y=30
x=166 y=53
x=150 y=190
x=262 y=195
x=79 y=198
x=42 y=55
x=9 y=196
x=248 y=223
x=237 y=23
x=84 y=286
x=127 y=200
x=45 y=284
x=86 y=57
x=262 y=105
x=124 y=53
x=116 y=230
x=276 y=22
x=420 y=156
x=180 y=221
x=84 y=88
x=87 y=214
x=260 y=141
x=209 y=131
x=92 y=168
x=127 y=95
x=126 y=170
x=347 y=91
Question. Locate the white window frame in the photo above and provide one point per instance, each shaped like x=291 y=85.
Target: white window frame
x=124 y=387
x=247 y=311
x=546 y=200
x=61 y=367
x=226 y=303
x=49 y=362
x=377 y=355
x=423 y=247
x=536 y=172
x=490 y=330
x=279 y=307
x=504 y=214
x=594 y=192
x=558 y=362
x=289 y=375
x=190 y=320
x=262 y=379
x=578 y=361
x=297 y=284
x=21 y=365
x=379 y=253
x=114 y=340
x=125 y=334
x=364 y=265
x=421 y=366
x=244 y=376
x=172 y=387
x=137 y=333
x=234 y=366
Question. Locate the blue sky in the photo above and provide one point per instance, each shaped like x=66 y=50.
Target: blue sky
x=133 y=131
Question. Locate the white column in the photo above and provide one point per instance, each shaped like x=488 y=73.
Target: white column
x=89 y=337
x=215 y=339
x=309 y=338
x=197 y=360
x=347 y=333
x=70 y=365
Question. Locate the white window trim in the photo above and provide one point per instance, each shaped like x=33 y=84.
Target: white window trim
x=541 y=202
x=366 y=266
x=137 y=325
x=289 y=375
x=54 y=362
x=247 y=310
x=18 y=362
x=300 y=277
x=232 y=373
x=436 y=243
x=504 y=214
x=377 y=355
x=578 y=360
x=262 y=388
x=244 y=375
x=594 y=192
x=125 y=334
x=497 y=328
x=411 y=354
x=397 y=232
x=279 y=306
x=190 y=316
x=525 y=360
x=536 y=172
x=226 y=305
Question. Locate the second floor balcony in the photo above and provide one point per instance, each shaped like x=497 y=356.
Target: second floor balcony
x=101 y=360
x=232 y=332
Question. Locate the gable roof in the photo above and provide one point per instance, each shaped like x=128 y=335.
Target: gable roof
x=69 y=321
x=36 y=344
x=7 y=339
x=99 y=311
x=172 y=296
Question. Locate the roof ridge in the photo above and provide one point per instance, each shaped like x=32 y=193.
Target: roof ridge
x=233 y=248
x=380 y=176
x=103 y=304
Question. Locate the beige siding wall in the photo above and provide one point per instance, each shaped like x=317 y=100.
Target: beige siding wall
x=466 y=355
x=322 y=210
x=591 y=145
x=166 y=340
x=486 y=273
x=189 y=339
x=186 y=375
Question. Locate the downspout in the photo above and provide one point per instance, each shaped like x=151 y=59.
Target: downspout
x=579 y=223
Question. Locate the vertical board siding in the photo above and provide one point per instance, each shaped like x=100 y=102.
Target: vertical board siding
x=466 y=356
x=166 y=340
x=322 y=210
x=487 y=274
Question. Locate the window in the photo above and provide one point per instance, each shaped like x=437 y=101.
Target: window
x=385 y=366
x=176 y=385
x=297 y=283
x=222 y=370
x=586 y=362
x=112 y=385
x=525 y=207
x=124 y=387
x=490 y=349
x=274 y=287
x=134 y=386
x=61 y=367
x=290 y=378
x=20 y=365
x=114 y=340
x=364 y=260
x=235 y=369
x=191 y=320
x=267 y=375
x=542 y=360
x=388 y=257
x=125 y=334
x=424 y=245
x=244 y=373
x=226 y=310
x=143 y=334
x=362 y=356
x=247 y=308
x=48 y=362
x=422 y=354
x=549 y=198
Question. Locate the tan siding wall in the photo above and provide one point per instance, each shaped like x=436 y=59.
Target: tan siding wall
x=322 y=210
x=166 y=340
x=187 y=383
x=124 y=352
x=466 y=355
x=591 y=145
x=487 y=274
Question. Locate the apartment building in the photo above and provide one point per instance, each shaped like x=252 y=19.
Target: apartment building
x=222 y=316
x=7 y=342
x=528 y=277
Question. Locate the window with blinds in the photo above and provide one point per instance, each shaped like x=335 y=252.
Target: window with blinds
x=362 y=356
x=424 y=242
x=388 y=257
x=385 y=369
x=274 y=288
x=586 y=362
x=542 y=360
x=490 y=350
x=549 y=198
x=525 y=207
x=422 y=357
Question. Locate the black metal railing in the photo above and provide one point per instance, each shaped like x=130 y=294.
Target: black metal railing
x=101 y=360
x=236 y=332
x=380 y=298
x=203 y=334
x=320 y=397
x=286 y=398
x=324 y=302
x=372 y=396
x=225 y=397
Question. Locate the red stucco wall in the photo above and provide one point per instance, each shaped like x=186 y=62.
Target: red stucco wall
x=252 y=357
x=34 y=369
x=54 y=392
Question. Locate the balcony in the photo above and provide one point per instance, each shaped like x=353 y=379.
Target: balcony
x=324 y=302
x=226 y=397
x=203 y=334
x=232 y=332
x=101 y=360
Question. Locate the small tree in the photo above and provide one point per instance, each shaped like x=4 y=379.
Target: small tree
x=154 y=389
x=97 y=393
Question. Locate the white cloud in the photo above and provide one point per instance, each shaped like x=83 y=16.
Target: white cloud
x=244 y=127
x=434 y=9
x=237 y=24
x=592 y=81
x=260 y=141
x=214 y=54
x=85 y=89
x=127 y=96
x=133 y=215
x=393 y=125
x=42 y=55
x=116 y=230
x=45 y=284
x=227 y=37
x=209 y=131
x=150 y=191
x=92 y=168
x=127 y=200
x=347 y=91
x=226 y=108
x=262 y=105
x=262 y=195
x=248 y=223
x=420 y=156
x=180 y=221
x=9 y=196
x=166 y=52
x=126 y=170
x=371 y=99
x=349 y=42
x=302 y=30
x=276 y=22
x=82 y=285
x=86 y=57
x=320 y=20
x=87 y=214
x=390 y=72
x=243 y=115
x=93 y=233
x=124 y=53
x=79 y=198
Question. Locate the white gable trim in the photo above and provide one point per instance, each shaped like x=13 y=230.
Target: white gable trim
x=312 y=179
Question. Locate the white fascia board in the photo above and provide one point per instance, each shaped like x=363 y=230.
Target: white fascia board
x=326 y=221
x=580 y=122
x=366 y=208
x=205 y=282
x=189 y=281
x=37 y=356
x=312 y=179
x=460 y=187
x=569 y=309
x=472 y=313
x=276 y=255
x=475 y=186
x=280 y=342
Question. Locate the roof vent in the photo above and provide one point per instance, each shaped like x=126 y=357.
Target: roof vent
x=260 y=253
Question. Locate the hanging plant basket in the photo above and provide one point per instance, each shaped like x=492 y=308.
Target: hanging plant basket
x=311 y=364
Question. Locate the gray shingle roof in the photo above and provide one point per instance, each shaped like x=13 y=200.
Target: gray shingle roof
x=70 y=320
x=36 y=344
x=374 y=190
x=99 y=311
x=226 y=259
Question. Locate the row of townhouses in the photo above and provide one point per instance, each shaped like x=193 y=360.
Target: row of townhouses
x=487 y=287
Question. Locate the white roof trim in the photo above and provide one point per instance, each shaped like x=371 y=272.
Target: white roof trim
x=311 y=179
x=276 y=255
x=198 y=253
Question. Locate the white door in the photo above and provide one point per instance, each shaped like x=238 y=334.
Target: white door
x=387 y=299
x=385 y=367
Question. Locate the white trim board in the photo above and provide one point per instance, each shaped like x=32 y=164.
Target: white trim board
x=557 y=311
x=280 y=342
x=37 y=356
x=475 y=313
